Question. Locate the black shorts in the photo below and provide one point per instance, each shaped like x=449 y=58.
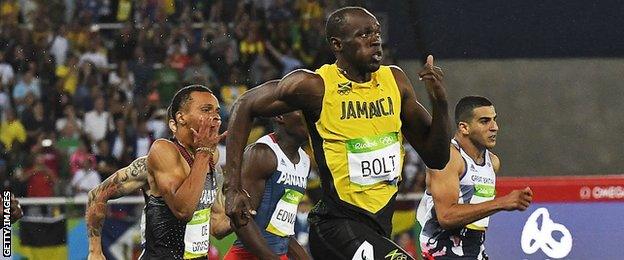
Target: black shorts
x=341 y=238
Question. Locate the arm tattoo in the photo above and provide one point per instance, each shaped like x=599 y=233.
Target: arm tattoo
x=123 y=182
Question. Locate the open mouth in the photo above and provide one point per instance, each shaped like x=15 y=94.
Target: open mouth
x=377 y=56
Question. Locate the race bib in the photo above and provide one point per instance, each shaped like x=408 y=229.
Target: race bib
x=197 y=235
x=482 y=193
x=283 y=219
x=374 y=159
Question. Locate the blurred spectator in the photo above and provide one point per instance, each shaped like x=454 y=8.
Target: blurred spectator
x=7 y=75
x=27 y=85
x=106 y=163
x=35 y=122
x=143 y=140
x=143 y=72
x=231 y=91
x=168 y=82
x=68 y=75
x=69 y=123
x=11 y=130
x=40 y=179
x=5 y=102
x=95 y=55
x=123 y=80
x=198 y=72
x=287 y=60
x=120 y=141
x=97 y=121
x=85 y=179
x=78 y=158
x=125 y=43
x=157 y=125
x=60 y=45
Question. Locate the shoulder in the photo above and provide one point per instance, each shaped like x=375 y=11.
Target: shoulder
x=261 y=156
x=495 y=162
x=301 y=79
x=162 y=151
x=456 y=160
x=401 y=78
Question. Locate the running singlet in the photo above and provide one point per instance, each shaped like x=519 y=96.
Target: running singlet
x=357 y=143
x=170 y=238
x=277 y=212
x=476 y=185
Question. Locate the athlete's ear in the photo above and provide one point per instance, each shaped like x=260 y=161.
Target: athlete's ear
x=335 y=44
x=463 y=128
x=180 y=118
x=172 y=126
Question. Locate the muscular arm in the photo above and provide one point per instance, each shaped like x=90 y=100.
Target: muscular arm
x=258 y=165
x=444 y=187
x=123 y=182
x=180 y=192
x=292 y=92
x=428 y=135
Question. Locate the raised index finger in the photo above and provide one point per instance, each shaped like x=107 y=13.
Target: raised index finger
x=430 y=60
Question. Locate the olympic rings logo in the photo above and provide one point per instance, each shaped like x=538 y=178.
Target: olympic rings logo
x=534 y=238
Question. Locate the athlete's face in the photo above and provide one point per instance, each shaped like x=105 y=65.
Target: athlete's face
x=362 y=41
x=482 y=128
x=294 y=125
x=201 y=105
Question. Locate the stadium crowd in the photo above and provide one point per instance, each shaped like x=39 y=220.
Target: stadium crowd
x=84 y=84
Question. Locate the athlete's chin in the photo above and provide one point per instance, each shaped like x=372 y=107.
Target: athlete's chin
x=374 y=66
x=490 y=144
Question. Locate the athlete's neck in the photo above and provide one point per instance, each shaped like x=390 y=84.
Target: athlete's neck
x=182 y=139
x=474 y=151
x=289 y=144
x=351 y=72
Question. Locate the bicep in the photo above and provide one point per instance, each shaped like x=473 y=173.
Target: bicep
x=164 y=165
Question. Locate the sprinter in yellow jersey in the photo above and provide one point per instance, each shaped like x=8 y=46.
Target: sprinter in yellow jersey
x=357 y=113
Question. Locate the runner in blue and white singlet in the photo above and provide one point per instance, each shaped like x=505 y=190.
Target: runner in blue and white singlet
x=275 y=173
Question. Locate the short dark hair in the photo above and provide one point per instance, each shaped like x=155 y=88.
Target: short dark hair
x=336 y=21
x=465 y=106
x=182 y=97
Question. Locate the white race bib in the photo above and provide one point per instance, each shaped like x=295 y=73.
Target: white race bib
x=282 y=221
x=374 y=159
x=197 y=235
x=482 y=193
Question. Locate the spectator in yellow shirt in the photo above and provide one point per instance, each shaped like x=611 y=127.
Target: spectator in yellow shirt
x=11 y=130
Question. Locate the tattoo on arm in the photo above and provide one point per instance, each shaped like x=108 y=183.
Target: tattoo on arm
x=121 y=183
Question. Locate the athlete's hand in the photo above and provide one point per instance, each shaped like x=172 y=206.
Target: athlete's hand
x=208 y=133
x=96 y=256
x=517 y=199
x=433 y=78
x=238 y=206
